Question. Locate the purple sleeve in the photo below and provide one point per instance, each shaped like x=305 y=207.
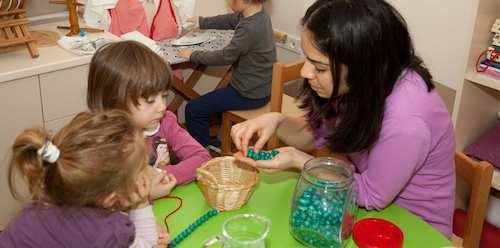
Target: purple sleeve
x=190 y=153
x=399 y=152
x=122 y=234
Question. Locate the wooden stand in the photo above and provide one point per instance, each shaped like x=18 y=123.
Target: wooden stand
x=74 y=26
x=13 y=30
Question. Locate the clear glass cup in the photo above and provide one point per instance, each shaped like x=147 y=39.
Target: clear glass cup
x=243 y=231
x=324 y=203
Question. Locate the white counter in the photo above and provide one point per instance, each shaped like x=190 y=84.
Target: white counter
x=19 y=64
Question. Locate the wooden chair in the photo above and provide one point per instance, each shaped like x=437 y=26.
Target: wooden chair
x=279 y=102
x=478 y=175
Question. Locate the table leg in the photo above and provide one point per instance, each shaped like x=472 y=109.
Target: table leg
x=185 y=89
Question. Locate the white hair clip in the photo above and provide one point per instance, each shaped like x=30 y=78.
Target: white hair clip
x=49 y=152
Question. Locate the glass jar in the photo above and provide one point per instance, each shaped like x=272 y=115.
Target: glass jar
x=324 y=204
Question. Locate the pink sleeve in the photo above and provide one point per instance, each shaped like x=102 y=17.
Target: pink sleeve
x=189 y=152
x=400 y=150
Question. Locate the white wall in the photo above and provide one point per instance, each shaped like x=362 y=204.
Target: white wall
x=42 y=7
x=286 y=14
x=210 y=7
x=441 y=31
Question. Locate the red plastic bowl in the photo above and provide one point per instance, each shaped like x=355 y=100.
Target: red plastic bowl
x=377 y=233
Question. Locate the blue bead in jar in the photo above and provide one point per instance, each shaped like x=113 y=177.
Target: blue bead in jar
x=324 y=205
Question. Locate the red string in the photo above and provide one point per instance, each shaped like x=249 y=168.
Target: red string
x=479 y=68
x=179 y=200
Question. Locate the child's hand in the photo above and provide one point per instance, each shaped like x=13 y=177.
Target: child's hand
x=194 y=21
x=161 y=185
x=139 y=198
x=163 y=237
x=185 y=53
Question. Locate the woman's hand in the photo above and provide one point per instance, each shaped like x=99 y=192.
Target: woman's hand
x=161 y=184
x=287 y=158
x=264 y=126
x=163 y=237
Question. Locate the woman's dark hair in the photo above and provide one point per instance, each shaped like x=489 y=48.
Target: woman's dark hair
x=372 y=40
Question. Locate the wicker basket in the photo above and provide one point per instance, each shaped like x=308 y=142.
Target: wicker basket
x=226 y=183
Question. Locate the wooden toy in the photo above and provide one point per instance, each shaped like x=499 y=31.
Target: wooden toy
x=13 y=26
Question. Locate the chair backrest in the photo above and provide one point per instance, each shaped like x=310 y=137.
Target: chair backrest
x=478 y=175
x=283 y=73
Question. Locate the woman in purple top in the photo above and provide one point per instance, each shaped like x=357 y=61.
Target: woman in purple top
x=367 y=95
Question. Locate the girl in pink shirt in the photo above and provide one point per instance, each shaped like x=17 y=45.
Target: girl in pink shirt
x=129 y=76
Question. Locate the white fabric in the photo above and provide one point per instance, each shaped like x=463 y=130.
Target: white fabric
x=139 y=37
x=150 y=10
x=496 y=26
x=95 y=14
x=146 y=235
x=49 y=152
x=149 y=133
x=81 y=45
x=185 y=9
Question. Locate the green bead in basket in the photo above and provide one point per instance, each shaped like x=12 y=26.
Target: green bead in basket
x=262 y=155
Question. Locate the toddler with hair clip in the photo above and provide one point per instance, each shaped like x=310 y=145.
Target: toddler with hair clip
x=88 y=186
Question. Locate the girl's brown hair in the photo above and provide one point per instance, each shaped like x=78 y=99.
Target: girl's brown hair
x=123 y=72
x=99 y=155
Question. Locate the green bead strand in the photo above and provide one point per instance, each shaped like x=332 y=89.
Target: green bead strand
x=191 y=228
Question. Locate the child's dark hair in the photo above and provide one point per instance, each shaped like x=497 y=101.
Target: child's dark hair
x=371 y=39
x=99 y=155
x=123 y=72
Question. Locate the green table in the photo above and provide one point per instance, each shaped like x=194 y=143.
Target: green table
x=272 y=198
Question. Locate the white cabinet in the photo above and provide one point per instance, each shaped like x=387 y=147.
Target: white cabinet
x=20 y=109
x=47 y=100
x=64 y=92
x=55 y=125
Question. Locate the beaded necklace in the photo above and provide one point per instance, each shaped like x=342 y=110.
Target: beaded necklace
x=192 y=227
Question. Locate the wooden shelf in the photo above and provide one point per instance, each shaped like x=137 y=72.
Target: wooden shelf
x=495 y=182
x=483 y=79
